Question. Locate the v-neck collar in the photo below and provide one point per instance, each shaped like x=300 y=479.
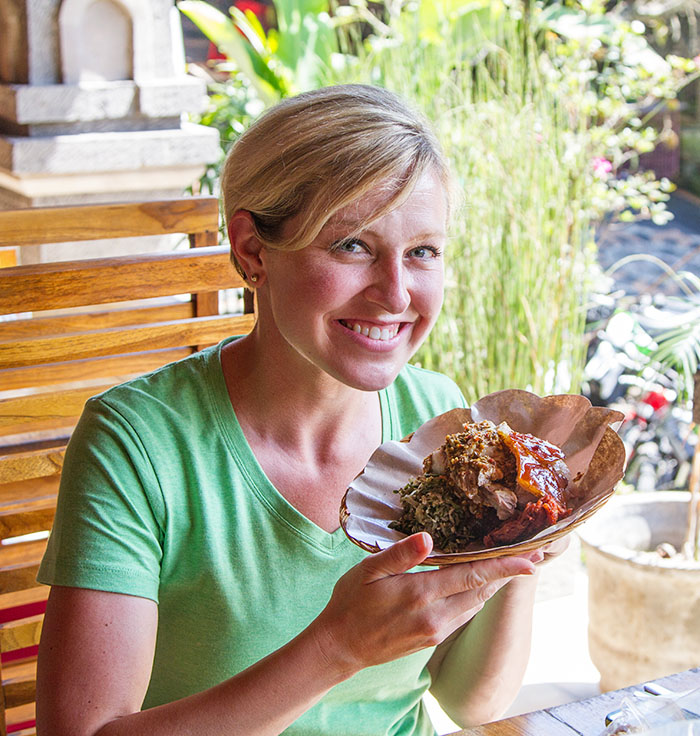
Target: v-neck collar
x=237 y=444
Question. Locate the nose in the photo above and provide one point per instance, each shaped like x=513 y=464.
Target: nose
x=390 y=286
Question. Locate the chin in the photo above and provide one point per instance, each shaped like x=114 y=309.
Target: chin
x=370 y=381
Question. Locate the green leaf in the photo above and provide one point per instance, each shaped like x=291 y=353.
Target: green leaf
x=679 y=349
x=637 y=52
x=250 y=27
x=306 y=40
x=468 y=19
x=223 y=32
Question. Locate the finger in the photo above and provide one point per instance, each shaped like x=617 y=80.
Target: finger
x=398 y=558
x=555 y=548
x=462 y=607
x=471 y=576
x=535 y=556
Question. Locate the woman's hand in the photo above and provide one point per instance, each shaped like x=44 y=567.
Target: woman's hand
x=477 y=674
x=379 y=612
x=555 y=548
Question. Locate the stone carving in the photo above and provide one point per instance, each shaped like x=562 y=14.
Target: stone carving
x=93 y=95
x=104 y=40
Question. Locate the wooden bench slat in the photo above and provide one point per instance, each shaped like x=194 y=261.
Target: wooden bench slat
x=31 y=464
x=19 y=670
x=116 y=340
x=49 y=410
x=31 y=504
x=116 y=318
x=59 y=224
x=97 y=320
x=22 y=714
x=18 y=493
x=20 y=634
x=19 y=683
x=23 y=597
x=24 y=731
x=22 y=718
x=20 y=692
x=34 y=518
x=119 y=279
x=19 y=577
x=120 y=366
x=14 y=555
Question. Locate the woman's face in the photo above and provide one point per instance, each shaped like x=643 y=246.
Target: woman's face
x=358 y=307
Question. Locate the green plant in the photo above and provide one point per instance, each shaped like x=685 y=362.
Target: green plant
x=602 y=60
x=262 y=67
x=678 y=349
x=288 y=59
x=232 y=105
x=651 y=347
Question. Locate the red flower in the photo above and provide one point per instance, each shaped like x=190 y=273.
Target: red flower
x=259 y=9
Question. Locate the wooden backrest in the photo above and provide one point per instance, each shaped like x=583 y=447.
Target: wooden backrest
x=69 y=330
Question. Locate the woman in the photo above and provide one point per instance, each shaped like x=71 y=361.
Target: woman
x=200 y=581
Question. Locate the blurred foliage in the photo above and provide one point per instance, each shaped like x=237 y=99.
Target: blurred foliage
x=263 y=66
x=282 y=61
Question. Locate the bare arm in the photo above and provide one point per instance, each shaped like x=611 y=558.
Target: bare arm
x=477 y=675
x=95 y=663
x=478 y=672
x=376 y=614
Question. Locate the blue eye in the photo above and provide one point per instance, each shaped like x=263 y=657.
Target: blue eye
x=425 y=251
x=349 y=245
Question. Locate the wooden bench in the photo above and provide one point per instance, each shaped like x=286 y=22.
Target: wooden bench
x=69 y=330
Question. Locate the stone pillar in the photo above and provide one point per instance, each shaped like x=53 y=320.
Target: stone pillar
x=93 y=95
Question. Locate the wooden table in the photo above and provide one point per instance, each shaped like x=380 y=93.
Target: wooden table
x=582 y=718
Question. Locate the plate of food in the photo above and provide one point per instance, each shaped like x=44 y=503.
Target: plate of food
x=507 y=475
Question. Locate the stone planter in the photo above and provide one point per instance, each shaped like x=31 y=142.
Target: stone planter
x=644 y=612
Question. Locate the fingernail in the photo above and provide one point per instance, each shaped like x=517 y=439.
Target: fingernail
x=422 y=542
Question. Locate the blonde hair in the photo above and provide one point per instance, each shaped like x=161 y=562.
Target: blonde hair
x=315 y=153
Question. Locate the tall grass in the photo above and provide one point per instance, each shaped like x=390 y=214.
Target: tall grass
x=519 y=260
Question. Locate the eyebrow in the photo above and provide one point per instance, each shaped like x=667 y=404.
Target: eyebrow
x=426 y=235
x=355 y=227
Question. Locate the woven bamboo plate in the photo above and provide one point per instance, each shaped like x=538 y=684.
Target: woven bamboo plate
x=592 y=449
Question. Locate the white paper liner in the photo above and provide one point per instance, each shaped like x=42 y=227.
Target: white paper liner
x=584 y=433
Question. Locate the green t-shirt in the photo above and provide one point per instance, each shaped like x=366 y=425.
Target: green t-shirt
x=162 y=497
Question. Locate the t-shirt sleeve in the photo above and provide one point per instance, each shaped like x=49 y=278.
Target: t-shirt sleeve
x=108 y=530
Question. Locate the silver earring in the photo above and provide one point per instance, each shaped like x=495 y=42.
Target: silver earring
x=253 y=278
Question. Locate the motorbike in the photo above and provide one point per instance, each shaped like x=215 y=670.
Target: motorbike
x=622 y=372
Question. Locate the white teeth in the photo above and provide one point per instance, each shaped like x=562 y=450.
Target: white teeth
x=374 y=332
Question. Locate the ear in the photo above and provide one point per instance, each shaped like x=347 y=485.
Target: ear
x=246 y=246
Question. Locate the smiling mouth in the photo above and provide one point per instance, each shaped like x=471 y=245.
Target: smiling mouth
x=373 y=332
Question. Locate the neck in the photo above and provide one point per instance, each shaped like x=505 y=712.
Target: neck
x=291 y=401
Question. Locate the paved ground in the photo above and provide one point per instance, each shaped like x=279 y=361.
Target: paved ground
x=676 y=244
